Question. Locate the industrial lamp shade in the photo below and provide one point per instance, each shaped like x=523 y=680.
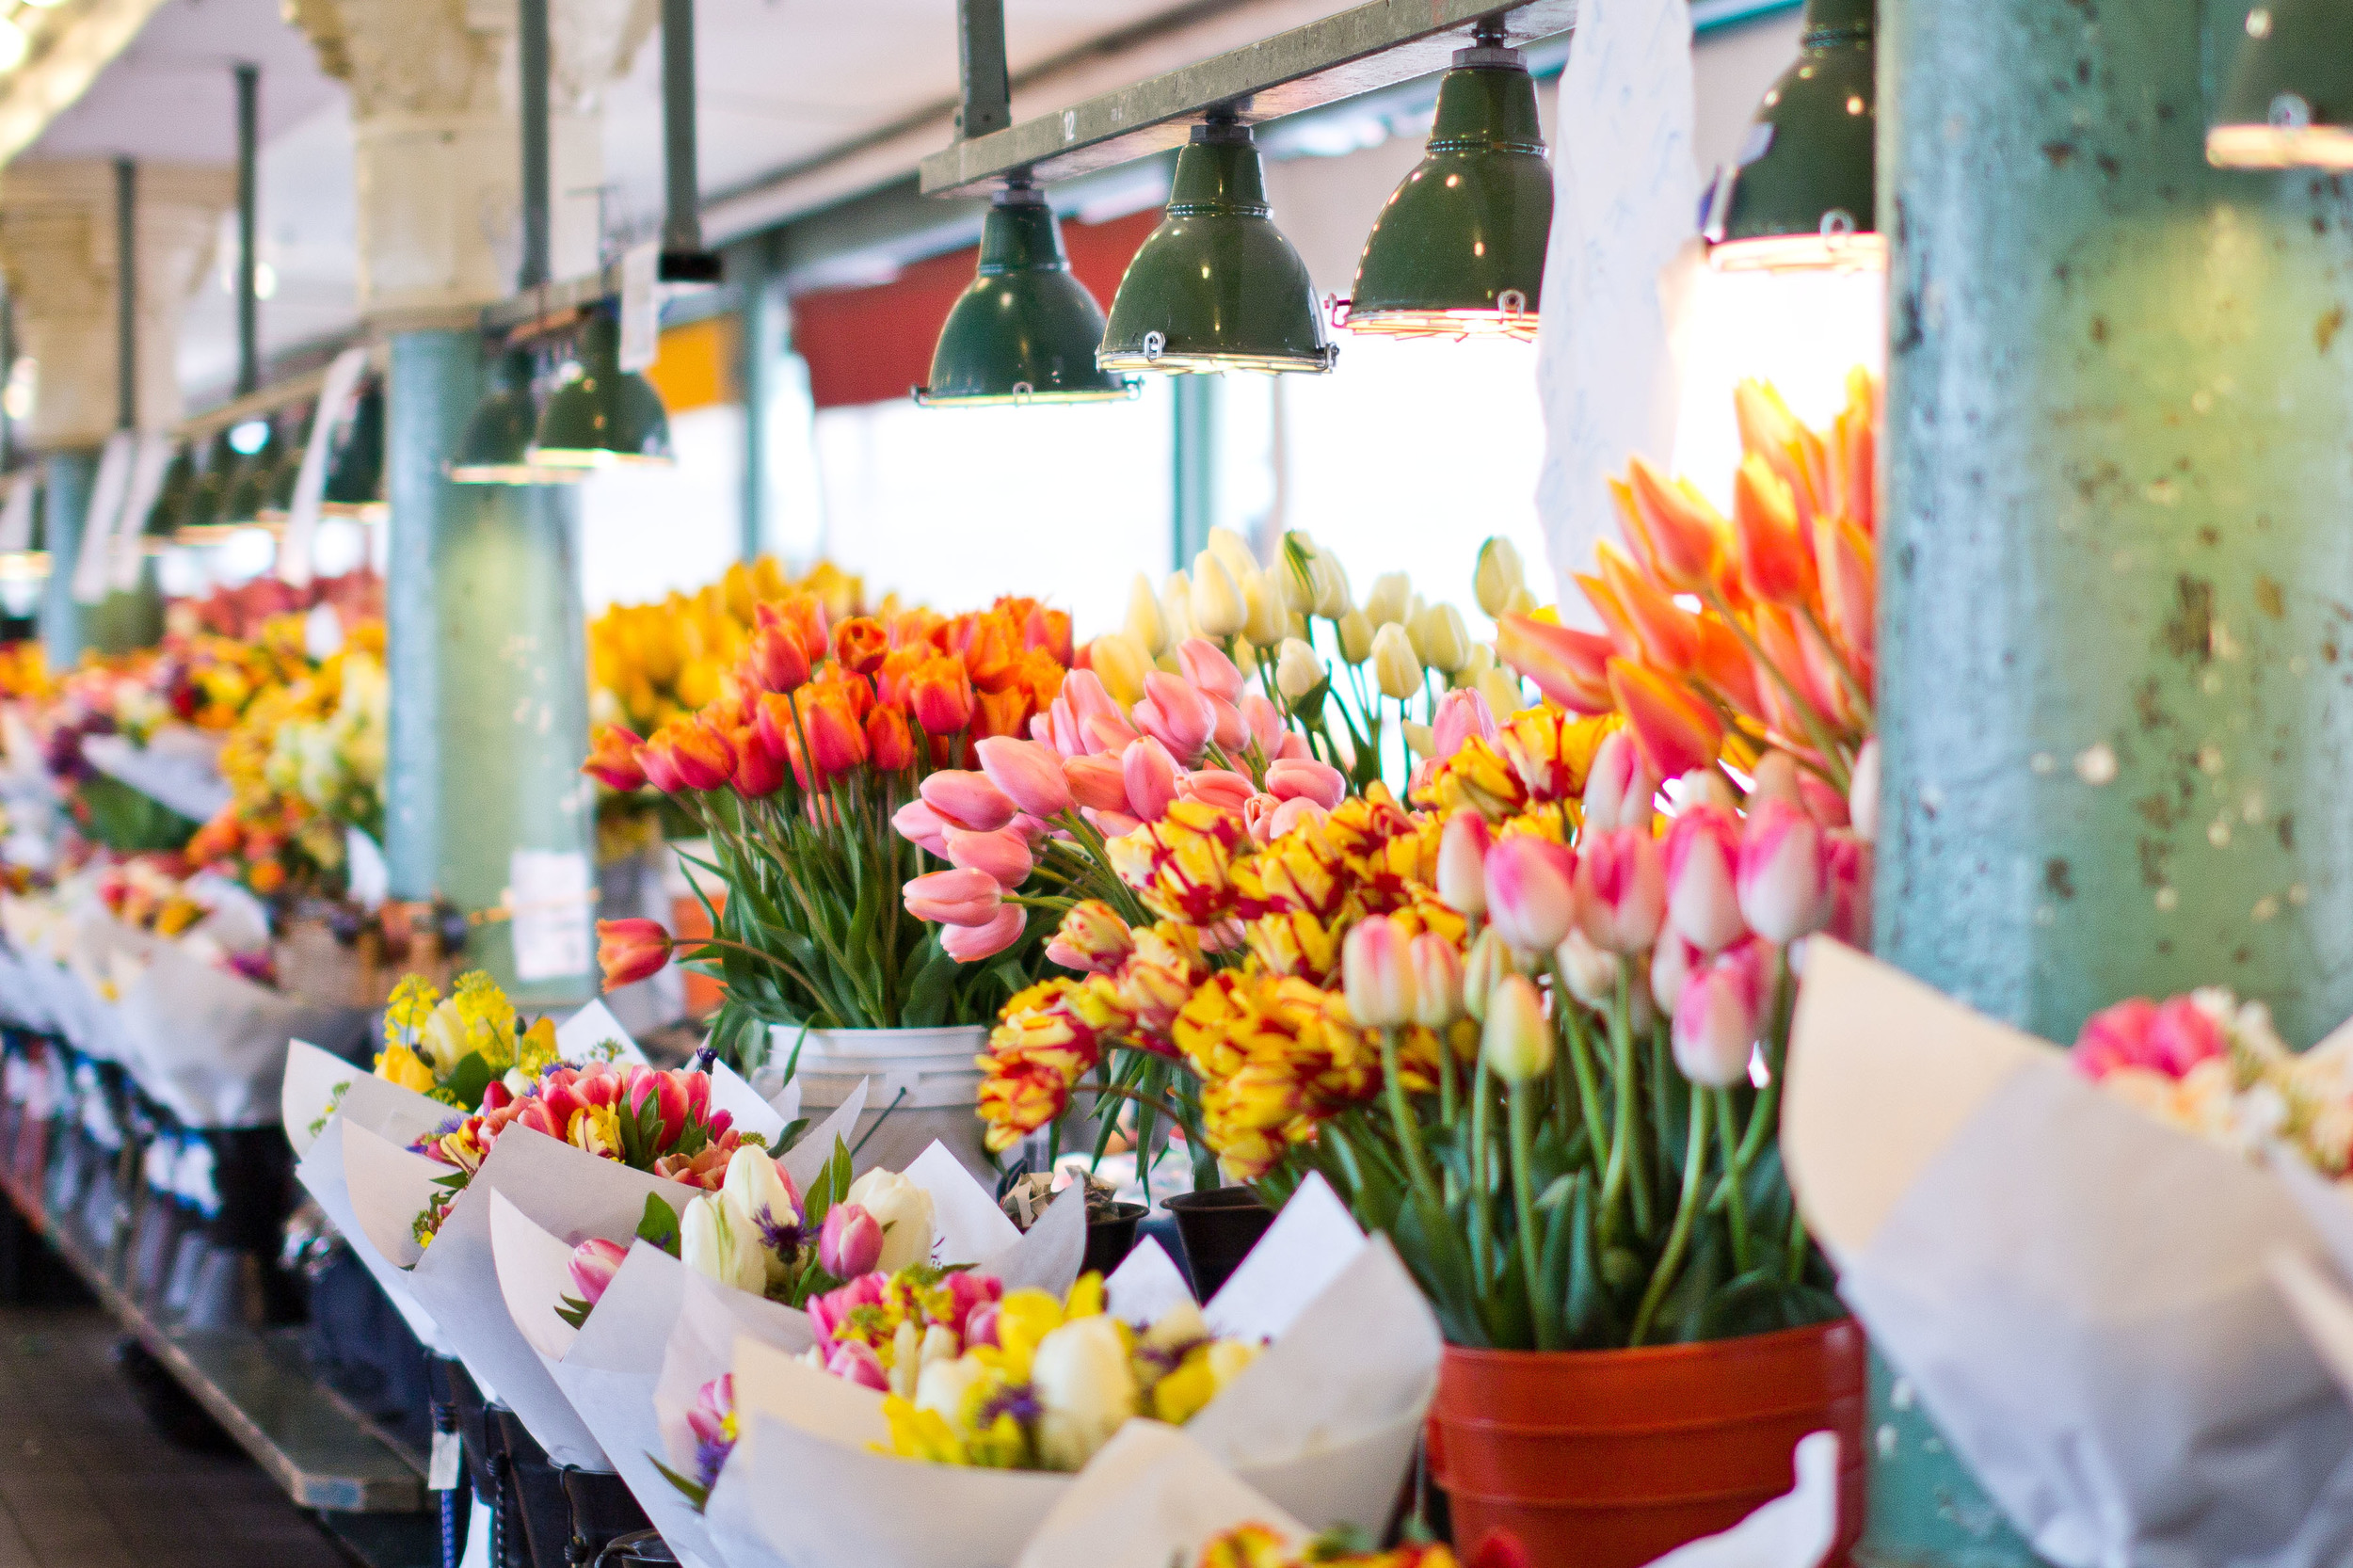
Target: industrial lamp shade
x=1216 y=286
x=602 y=416
x=355 y=459
x=1024 y=330
x=2289 y=101
x=1459 y=249
x=496 y=449
x=1802 y=195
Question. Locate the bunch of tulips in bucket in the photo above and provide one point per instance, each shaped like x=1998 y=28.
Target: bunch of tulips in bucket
x=821 y=733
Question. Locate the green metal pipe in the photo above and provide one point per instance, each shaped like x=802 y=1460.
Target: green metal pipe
x=2117 y=601
x=66 y=481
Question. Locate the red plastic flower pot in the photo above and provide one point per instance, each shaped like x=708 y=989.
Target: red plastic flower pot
x=1609 y=1459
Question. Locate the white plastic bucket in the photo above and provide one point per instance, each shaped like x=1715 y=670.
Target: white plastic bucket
x=922 y=1085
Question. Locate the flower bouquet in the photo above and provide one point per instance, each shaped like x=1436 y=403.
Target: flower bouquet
x=2099 y=1274
x=1324 y=1418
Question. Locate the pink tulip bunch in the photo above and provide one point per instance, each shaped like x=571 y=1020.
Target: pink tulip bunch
x=1091 y=772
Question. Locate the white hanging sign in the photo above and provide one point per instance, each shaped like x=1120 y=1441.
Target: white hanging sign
x=97 y=524
x=302 y=517
x=551 y=898
x=16 y=514
x=641 y=306
x=1625 y=196
x=147 y=483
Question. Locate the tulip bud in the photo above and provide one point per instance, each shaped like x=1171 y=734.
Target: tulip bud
x=1496 y=575
x=1333 y=599
x=1355 y=631
x=1775 y=779
x=1717 y=1017
x=1672 y=965
x=1619 y=788
x=612 y=760
x=1462 y=717
x=850 y=1243
x=904 y=1211
x=1420 y=740
x=630 y=950
x=1517 y=1042
x=1463 y=862
x=1782 y=880
x=970 y=944
x=919 y=825
x=1487 y=965
x=1531 y=892
x=1440 y=638
x=1849 y=859
x=1292 y=779
x=1296 y=584
x=1265 y=722
x=1093 y=937
x=1030 y=774
x=1204 y=663
x=1268 y=621
x=1231 y=550
x=1503 y=692
x=1150 y=775
x=1863 y=793
x=1703 y=904
x=1378 y=974
x=1297 y=670
x=1004 y=855
x=1145 y=626
x=718 y=1249
x=1438 y=966
x=1705 y=787
x=959 y=897
x=1392 y=593
x=1095 y=780
x=1177 y=715
x=1219 y=609
x=1120 y=665
x=968 y=799
x=1591 y=974
x=593 y=1264
x=855 y=1362
x=1621 y=888
x=1176 y=611
x=1394 y=665
x=1085 y=1388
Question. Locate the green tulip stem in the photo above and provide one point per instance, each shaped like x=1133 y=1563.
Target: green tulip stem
x=1627 y=1175
x=1448 y=1094
x=1581 y=1060
x=1540 y=1306
x=1687 y=1210
x=1408 y=1128
x=1816 y=726
x=1482 y=1189
x=1735 y=1191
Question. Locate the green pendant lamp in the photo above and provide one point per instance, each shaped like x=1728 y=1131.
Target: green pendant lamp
x=355 y=460
x=2289 y=99
x=1216 y=287
x=1024 y=330
x=1459 y=249
x=1801 y=197
x=600 y=415
x=496 y=449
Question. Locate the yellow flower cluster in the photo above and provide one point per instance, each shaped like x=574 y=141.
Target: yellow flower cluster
x=452 y=1049
x=1259 y=1547
x=650 y=662
x=1539 y=758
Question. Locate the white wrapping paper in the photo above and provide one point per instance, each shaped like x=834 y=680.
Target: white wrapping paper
x=2081 y=1294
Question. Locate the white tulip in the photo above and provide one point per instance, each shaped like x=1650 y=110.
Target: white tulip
x=759 y=1204
x=1355 y=637
x=1419 y=739
x=1521 y=602
x=904 y=1213
x=1297 y=670
x=1145 y=625
x=1394 y=665
x=716 y=1247
x=1219 y=609
x=1392 y=594
x=945 y=1386
x=1233 y=551
x=1268 y=620
x=1497 y=574
x=1176 y=609
x=1331 y=582
x=1441 y=639
x=1085 y=1389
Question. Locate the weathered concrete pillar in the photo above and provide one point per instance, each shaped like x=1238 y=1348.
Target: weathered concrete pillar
x=489 y=707
x=60 y=248
x=2118 y=602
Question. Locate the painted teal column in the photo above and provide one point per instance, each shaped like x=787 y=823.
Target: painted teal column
x=2117 y=586
x=67 y=478
x=490 y=709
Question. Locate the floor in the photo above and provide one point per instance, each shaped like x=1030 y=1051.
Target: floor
x=86 y=1482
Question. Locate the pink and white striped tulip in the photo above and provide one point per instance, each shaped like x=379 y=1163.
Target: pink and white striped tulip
x=1672 y=963
x=1863 y=792
x=1377 y=972
x=1028 y=773
x=1438 y=980
x=1463 y=862
x=1621 y=888
x=1784 y=878
x=1150 y=773
x=1848 y=858
x=1531 y=892
x=1719 y=1016
x=1703 y=904
x=1462 y=717
x=959 y=897
x=1293 y=779
x=592 y=1266
x=1591 y=974
x=1619 y=787
x=968 y=800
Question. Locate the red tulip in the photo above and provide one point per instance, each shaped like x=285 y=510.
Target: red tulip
x=759 y=772
x=629 y=950
x=777 y=660
x=850 y=1243
x=612 y=760
x=837 y=742
x=703 y=757
x=668 y=1094
x=889 y=745
x=860 y=643
x=940 y=693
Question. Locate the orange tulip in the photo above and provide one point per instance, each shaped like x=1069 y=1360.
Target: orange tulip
x=630 y=950
x=1671 y=727
x=890 y=681
x=612 y=760
x=837 y=740
x=1047 y=631
x=1846 y=557
x=861 y=644
x=704 y=757
x=939 y=692
x=1669 y=634
x=778 y=730
x=988 y=648
x=803 y=616
x=915 y=629
x=1725 y=665
x=776 y=660
x=1567 y=666
x=1777 y=639
x=759 y=770
x=1768 y=429
x=1001 y=713
x=889 y=744
x=1775 y=564
x=1684 y=534
x=1614 y=617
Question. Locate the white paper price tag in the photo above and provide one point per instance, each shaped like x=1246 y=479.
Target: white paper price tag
x=447 y=1464
x=641 y=306
x=551 y=895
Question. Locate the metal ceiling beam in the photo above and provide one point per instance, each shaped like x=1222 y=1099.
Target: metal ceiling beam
x=1360 y=50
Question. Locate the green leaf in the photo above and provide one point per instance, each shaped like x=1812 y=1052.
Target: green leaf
x=698 y=1495
x=1761 y=1301
x=831 y=1187
x=574 y=1311
x=658 y=1225
x=469 y=1078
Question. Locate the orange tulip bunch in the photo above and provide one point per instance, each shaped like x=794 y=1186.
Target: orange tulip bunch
x=1729 y=637
x=821 y=729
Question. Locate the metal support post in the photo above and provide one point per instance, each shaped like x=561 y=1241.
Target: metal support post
x=533 y=52
x=988 y=90
x=248 y=229
x=1193 y=510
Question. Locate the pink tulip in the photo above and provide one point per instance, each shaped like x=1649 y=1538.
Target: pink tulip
x=1110 y=733
x=1292 y=815
x=828 y=1312
x=714 y=1401
x=851 y=1241
x=1775 y=779
x=1849 y=859
x=1863 y=793
x=1176 y=714
x=1295 y=748
x=1377 y=971
x=1031 y=774
x=1032 y=831
x=1719 y=1016
x=1206 y=665
x=1004 y=855
x=1317 y=781
x=593 y=1264
x=1097 y=781
x=1619 y=788
x=1672 y=966
x=1258 y=818
x=855 y=1362
x=919 y=825
x=1438 y=966
x=2170 y=1039
x=1112 y=824
x=968 y=799
x=1822 y=801
x=1265 y=721
x=1463 y=862
x=970 y=944
x=1227 y=726
x=1151 y=775
x=970 y=1294
x=1462 y=717
x=1047 y=732
x=1621 y=888
x=1222 y=788
x=980 y=1328
x=1079 y=712
x=667 y=1091
x=1531 y=891
x=1703 y=906
x=960 y=897
x=1782 y=880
